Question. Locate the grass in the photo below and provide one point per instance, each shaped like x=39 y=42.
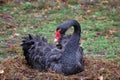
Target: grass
x=95 y=24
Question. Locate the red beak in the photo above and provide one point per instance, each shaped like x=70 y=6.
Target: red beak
x=58 y=35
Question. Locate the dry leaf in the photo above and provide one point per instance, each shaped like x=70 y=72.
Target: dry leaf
x=14 y=35
x=11 y=47
x=105 y=2
x=10 y=25
x=36 y=14
x=1 y=15
x=82 y=40
x=100 y=78
x=88 y=11
x=1 y=71
x=112 y=31
x=100 y=18
x=107 y=36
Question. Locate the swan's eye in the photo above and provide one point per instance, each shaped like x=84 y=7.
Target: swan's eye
x=58 y=35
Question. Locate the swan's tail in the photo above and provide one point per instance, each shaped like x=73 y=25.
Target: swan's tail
x=26 y=45
x=33 y=51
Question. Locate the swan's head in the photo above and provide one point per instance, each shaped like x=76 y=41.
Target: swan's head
x=60 y=31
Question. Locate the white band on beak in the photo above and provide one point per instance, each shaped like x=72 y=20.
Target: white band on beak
x=55 y=40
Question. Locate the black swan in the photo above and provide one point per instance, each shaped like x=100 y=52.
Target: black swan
x=68 y=59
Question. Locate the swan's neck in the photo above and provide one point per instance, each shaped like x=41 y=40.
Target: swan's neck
x=73 y=43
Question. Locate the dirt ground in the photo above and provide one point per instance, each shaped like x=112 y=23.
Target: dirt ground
x=95 y=69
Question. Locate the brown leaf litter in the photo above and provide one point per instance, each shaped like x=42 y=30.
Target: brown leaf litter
x=95 y=69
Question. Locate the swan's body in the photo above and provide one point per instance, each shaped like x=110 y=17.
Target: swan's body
x=68 y=60
x=35 y=48
x=42 y=55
